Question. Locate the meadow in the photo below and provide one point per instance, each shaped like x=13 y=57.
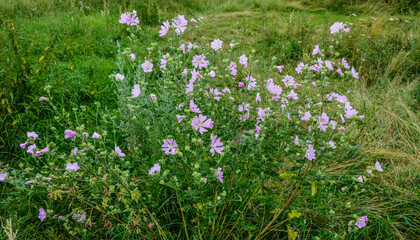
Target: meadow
x=277 y=121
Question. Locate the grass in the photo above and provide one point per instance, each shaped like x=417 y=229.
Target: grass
x=72 y=46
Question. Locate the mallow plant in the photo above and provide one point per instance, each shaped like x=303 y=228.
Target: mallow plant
x=203 y=143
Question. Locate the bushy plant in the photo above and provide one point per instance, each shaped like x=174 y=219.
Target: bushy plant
x=204 y=144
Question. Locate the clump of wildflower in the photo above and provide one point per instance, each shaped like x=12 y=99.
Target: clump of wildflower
x=127 y=18
x=361 y=222
x=72 y=166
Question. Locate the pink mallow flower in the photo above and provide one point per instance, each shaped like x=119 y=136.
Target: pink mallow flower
x=164 y=29
x=180 y=118
x=361 y=222
x=378 y=166
x=154 y=169
x=118 y=151
x=219 y=174
x=3 y=176
x=169 y=146
x=32 y=134
x=136 y=91
x=217 y=44
x=201 y=122
x=31 y=149
x=306 y=117
x=216 y=145
x=360 y=178
x=69 y=134
x=180 y=24
x=42 y=214
x=310 y=153
x=147 y=66
x=126 y=18
x=193 y=107
x=42 y=98
x=119 y=76
x=95 y=135
x=243 y=60
x=72 y=166
x=153 y=96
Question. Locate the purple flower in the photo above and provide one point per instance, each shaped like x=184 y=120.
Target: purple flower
x=136 y=91
x=72 y=166
x=316 y=50
x=354 y=73
x=74 y=151
x=86 y=134
x=60 y=218
x=263 y=113
x=332 y=144
x=31 y=149
x=273 y=88
x=293 y=95
x=118 y=151
x=133 y=56
x=243 y=60
x=200 y=123
x=212 y=74
x=258 y=98
x=241 y=84
x=29 y=182
x=42 y=214
x=306 y=117
x=79 y=217
x=310 y=153
x=216 y=145
x=164 y=29
x=345 y=64
x=340 y=72
x=3 y=176
x=22 y=145
x=194 y=107
x=45 y=150
x=288 y=81
x=154 y=169
x=42 y=98
x=147 y=66
x=336 y=27
x=48 y=179
x=251 y=82
x=361 y=222
x=180 y=118
x=199 y=61
x=219 y=174
x=169 y=146
x=217 y=44
x=69 y=134
x=280 y=68
x=360 y=178
x=126 y=18
x=95 y=135
x=180 y=24
x=378 y=166
x=119 y=77
x=299 y=67
x=297 y=141
x=32 y=134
